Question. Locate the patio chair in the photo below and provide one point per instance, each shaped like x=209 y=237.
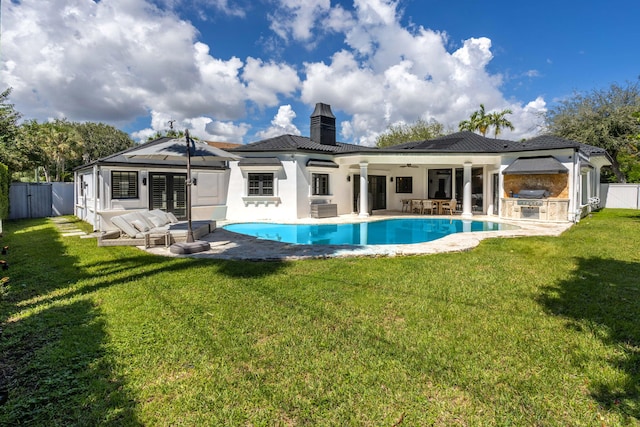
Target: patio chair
x=406 y=205
x=416 y=206
x=428 y=205
x=450 y=206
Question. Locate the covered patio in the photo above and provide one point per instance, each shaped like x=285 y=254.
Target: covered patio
x=442 y=186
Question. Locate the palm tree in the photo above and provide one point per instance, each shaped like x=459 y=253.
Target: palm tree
x=479 y=121
x=499 y=121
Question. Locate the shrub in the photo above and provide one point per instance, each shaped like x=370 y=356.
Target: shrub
x=4 y=192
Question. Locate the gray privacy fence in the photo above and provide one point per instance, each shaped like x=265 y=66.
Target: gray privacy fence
x=30 y=200
x=624 y=196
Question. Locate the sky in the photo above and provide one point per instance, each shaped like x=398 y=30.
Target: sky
x=246 y=70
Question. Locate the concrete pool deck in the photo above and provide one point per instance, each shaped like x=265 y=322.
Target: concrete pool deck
x=233 y=246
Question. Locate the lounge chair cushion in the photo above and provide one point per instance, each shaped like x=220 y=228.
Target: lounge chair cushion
x=157 y=221
x=139 y=225
x=172 y=217
x=160 y=214
x=124 y=226
x=137 y=216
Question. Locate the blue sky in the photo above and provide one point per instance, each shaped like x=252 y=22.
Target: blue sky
x=242 y=70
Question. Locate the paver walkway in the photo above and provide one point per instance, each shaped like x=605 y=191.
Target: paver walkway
x=68 y=228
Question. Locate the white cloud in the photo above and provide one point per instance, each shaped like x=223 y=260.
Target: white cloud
x=296 y=19
x=393 y=75
x=204 y=7
x=282 y=124
x=117 y=60
x=221 y=131
x=201 y=127
x=266 y=81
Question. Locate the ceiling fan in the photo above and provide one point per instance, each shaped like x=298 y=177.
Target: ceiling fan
x=408 y=165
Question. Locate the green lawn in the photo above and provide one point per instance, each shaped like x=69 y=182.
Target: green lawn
x=528 y=331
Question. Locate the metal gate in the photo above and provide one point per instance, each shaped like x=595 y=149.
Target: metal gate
x=30 y=200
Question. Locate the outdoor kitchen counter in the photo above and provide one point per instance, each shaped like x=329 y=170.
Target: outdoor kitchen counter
x=549 y=209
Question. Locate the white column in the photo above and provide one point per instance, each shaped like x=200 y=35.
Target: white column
x=596 y=183
x=453 y=184
x=364 y=190
x=96 y=184
x=466 y=191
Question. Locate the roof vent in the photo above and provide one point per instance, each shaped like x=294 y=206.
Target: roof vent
x=323 y=125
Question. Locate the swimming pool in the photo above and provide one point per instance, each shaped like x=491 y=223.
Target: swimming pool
x=383 y=232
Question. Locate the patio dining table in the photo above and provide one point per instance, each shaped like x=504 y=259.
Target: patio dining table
x=437 y=203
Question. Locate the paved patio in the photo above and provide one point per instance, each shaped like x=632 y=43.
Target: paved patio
x=233 y=246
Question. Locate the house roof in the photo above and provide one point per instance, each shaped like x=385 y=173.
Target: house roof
x=121 y=158
x=459 y=142
x=298 y=143
x=223 y=145
x=260 y=161
x=469 y=142
x=322 y=163
x=535 y=166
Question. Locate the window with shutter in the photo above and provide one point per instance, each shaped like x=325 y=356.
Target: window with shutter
x=124 y=185
x=260 y=184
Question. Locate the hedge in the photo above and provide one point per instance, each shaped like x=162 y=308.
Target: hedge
x=4 y=192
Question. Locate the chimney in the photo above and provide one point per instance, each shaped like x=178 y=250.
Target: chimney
x=323 y=125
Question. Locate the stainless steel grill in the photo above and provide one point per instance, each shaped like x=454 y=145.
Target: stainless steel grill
x=532 y=194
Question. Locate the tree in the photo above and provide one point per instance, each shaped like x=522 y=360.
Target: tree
x=8 y=131
x=499 y=121
x=418 y=131
x=101 y=140
x=478 y=121
x=50 y=146
x=170 y=134
x=603 y=118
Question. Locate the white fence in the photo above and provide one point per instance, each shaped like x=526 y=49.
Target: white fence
x=623 y=196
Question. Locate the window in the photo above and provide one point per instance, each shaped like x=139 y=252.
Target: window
x=124 y=185
x=260 y=184
x=404 y=184
x=320 y=184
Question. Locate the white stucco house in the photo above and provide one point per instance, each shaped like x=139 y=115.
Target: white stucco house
x=292 y=177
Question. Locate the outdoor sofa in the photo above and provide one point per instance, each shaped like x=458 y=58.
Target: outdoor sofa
x=149 y=228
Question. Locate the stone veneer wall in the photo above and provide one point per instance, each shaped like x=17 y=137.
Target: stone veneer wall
x=556 y=184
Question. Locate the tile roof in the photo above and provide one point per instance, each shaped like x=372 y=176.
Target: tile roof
x=120 y=158
x=469 y=142
x=223 y=145
x=298 y=143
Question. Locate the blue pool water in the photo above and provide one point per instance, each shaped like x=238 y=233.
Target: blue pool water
x=384 y=232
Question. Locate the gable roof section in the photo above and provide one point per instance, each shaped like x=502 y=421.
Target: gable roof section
x=469 y=142
x=459 y=142
x=259 y=161
x=322 y=163
x=297 y=143
x=535 y=166
x=121 y=158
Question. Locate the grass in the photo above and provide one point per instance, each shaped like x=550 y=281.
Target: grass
x=527 y=331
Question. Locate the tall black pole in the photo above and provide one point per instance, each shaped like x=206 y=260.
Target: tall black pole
x=189 y=230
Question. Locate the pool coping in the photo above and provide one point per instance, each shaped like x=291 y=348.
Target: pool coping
x=233 y=246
